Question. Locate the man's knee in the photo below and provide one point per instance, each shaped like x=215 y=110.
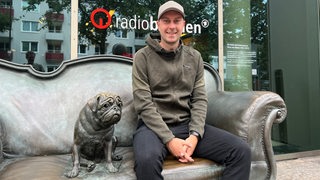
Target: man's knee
x=244 y=151
x=148 y=166
x=146 y=158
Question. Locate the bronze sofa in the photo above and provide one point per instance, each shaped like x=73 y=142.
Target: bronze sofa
x=38 y=112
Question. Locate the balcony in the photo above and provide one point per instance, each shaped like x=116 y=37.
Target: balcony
x=54 y=57
x=4 y=55
x=54 y=36
x=6 y=10
x=54 y=17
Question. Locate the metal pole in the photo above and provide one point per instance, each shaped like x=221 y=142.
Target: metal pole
x=220 y=42
x=10 y=28
x=74 y=29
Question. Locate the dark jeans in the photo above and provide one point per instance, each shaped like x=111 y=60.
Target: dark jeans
x=217 y=145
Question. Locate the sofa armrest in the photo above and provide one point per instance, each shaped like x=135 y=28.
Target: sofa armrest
x=249 y=115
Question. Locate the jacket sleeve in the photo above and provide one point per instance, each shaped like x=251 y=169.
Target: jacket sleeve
x=198 y=101
x=142 y=99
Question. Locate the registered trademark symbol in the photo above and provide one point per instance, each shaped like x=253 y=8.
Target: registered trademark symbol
x=205 y=23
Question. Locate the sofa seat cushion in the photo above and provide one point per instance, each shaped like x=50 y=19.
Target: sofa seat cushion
x=53 y=167
x=200 y=169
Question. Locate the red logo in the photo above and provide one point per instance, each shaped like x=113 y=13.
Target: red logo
x=100 y=24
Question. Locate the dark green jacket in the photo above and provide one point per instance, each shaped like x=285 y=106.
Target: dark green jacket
x=169 y=87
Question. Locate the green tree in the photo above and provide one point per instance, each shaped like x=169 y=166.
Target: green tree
x=259 y=24
x=197 y=12
x=4 y=22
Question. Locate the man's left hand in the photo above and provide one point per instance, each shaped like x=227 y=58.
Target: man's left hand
x=192 y=141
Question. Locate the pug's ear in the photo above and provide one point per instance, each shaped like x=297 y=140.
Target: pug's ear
x=119 y=101
x=94 y=102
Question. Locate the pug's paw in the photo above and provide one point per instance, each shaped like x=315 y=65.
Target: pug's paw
x=111 y=168
x=91 y=166
x=73 y=173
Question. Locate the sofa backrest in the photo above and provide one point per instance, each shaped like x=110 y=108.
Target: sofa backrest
x=38 y=110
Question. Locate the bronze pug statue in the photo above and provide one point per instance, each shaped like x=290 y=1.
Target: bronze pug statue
x=93 y=133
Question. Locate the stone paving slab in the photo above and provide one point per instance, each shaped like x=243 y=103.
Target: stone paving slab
x=307 y=168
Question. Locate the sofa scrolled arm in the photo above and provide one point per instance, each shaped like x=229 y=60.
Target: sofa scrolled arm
x=234 y=110
x=249 y=115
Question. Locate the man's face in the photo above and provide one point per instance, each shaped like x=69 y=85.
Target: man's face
x=170 y=26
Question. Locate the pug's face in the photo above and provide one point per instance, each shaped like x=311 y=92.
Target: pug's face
x=107 y=108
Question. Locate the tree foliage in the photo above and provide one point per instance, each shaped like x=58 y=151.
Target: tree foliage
x=4 y=22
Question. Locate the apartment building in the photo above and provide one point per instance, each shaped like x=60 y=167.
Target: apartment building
x=50 y=43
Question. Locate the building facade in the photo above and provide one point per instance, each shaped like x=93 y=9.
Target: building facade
x=30 y=31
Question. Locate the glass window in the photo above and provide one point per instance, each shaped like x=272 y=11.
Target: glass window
x=34 y=46
x=29 y=46
x=83 y=49
x=5 y=3
x=54 y=28
x=58 y=28
x=246 y=45
x=121 y=34
x=4 y=46
x=51 y=28
x=54 y=47
x=30 y=7
x=96 y=50
x=30 y=26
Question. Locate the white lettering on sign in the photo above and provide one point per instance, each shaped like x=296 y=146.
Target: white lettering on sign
x=139 y=24
x=151 y=24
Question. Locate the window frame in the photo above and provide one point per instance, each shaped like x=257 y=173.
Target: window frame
x=80 y=48
x=25 y=3
x=30 y=25
x=30 y=46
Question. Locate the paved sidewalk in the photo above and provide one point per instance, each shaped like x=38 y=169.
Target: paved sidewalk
x=307 y=168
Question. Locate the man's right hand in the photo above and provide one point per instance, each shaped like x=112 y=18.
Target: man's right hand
x=178 y=148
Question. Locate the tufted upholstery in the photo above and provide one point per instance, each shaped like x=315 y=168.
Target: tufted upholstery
x=38 y=112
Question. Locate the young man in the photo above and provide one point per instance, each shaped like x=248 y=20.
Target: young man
x=170 y=99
